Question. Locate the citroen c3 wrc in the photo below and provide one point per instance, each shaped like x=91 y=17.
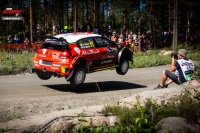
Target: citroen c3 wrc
x=73 y=55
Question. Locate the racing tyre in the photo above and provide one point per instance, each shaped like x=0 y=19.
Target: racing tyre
x=43 y=75
x=78 y=77
x=123 y=67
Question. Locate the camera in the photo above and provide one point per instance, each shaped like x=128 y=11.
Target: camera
x=175 y=55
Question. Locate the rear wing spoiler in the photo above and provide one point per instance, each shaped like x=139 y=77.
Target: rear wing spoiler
x=50 y=39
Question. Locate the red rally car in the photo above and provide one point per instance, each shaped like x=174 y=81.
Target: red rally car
x=72 y=55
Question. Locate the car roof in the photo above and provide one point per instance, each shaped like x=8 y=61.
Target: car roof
x=73 y=37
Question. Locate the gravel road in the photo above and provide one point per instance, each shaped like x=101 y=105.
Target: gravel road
x=27 y=95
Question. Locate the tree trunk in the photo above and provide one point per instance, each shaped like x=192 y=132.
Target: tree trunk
x=187 y=28
x=175 y=26
x=94 y=14
x=31 y=23
x=169 y=19
x=139 y=40
x=75 y=15
x=103 y=12
x=45 y=15
x=83 y=22
x=112 y=13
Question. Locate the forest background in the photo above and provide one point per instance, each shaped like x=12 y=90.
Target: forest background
x=181 y=17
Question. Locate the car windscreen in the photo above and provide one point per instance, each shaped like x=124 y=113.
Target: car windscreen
x=53 y=46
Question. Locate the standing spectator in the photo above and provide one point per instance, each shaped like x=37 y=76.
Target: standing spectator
x=65 y=29
x=126 y=42
x=136 y=45
x=143 y=42
x=57 y=29
x=126 y=34
x=114 y=33
x=9 y=39
x=16 y=39
x=38 y=28
x=26 y=41
x=109 y=34
x=131 y=44
x=120 y=39
x=54 y=29
x=88 y=27
x=130 y=35
x=113 y=38
x=134 y=36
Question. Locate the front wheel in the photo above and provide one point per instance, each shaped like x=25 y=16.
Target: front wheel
x=123 y=67
x=78 y=77
x=43 y=75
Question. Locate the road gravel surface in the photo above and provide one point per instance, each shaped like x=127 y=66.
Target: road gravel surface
x=27 y=95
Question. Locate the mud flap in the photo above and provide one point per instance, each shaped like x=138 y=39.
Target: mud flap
x=68 y=77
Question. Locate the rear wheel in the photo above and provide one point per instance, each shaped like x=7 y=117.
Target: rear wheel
x=43 y=75
x=123 y=67
x=78 y=77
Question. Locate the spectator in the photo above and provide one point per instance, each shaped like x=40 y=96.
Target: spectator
x=126 y=42
x=88 y=27
x=113 y=37
x=16 y=39
x=26 y=41
x=134 y=36
x=38 y=28
x=183 y=68
x=120 y=39
x=136 y=46
x=109 y=34
x=9 y=39
x=65 y=29
x=131 y=44
x=54 y=29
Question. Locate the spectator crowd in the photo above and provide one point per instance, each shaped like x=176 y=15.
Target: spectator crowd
x=129 y=38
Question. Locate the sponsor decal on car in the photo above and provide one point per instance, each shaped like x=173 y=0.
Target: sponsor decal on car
x=41 y=55
x=65 y=60
x=44 y=51
x=110 y=56
x=55 y=55
x=111 y=50
x=77 y=50
x=106 y=61
x=54 y=68
x=90 y=52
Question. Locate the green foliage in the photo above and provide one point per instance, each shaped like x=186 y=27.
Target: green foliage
x=15 y=63
x=19 y=62
x=80 y=117
x=197 y=71
x=150 y=59
x=15 y=116
x=142 y=119
x=195 y=56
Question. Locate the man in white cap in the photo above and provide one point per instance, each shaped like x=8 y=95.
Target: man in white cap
x=182 y=67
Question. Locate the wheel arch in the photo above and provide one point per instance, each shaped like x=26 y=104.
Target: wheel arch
x=81 y=62
x=125 y=53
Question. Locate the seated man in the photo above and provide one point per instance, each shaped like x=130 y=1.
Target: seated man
x=183 y=68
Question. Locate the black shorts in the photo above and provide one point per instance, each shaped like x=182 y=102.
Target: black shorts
x=172 y=76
